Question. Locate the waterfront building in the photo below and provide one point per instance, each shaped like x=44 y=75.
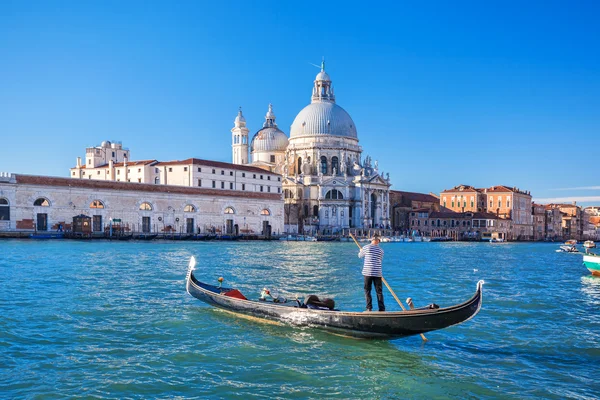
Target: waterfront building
x=591 y=223
x=403 y=203
x=507 y=203
x=572 y=221
x=463 y=198
x=40 y=203
x=327 y=184
x=538 y=214
x=102 y=165
x=553 y=223
x=458 y=225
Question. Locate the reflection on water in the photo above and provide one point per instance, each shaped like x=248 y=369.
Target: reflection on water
x=113 y=320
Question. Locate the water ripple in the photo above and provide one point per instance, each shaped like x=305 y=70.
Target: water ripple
x=113 y=320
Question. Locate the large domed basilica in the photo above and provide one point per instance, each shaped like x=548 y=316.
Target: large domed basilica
x=327 y=185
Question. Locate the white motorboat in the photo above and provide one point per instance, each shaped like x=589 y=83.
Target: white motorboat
x=589 y=244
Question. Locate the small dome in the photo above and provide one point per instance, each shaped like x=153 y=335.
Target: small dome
x=240 y=117
x=323 y=76
x=269 y=139
x=323 y=118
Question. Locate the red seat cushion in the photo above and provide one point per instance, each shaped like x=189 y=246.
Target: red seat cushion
x=235 y=293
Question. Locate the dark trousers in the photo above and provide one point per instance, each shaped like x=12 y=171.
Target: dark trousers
x=376 y=280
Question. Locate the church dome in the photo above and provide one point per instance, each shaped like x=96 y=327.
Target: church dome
x=323 y=118
x=270 y=138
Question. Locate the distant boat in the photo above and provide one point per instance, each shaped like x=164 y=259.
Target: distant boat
x=592 y=263
x=47 y=235
x=567 y=249
x=298 y=238
x=589 y=244
x=496 y=240
x=571 y=242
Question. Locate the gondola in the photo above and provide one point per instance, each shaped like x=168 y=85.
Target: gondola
x=322 y=315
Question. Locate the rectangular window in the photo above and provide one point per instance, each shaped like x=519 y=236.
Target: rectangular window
x=243 y=186
x=269 y=189
x=184 y=169
x=278 y=190
x=73 y=173
x=261 y=177
x=243 y=174
x=261 y=189
x=128 y=170
x=199 y=169
x=214 y=184
x=231 y=185
x=118 y=172
x=214 y=172
x=268 y=178
x=83 y=173
x=140 y=180
x=230 y=173
x=113 y=153
x=272 y=159
x=199 y=182
x=222 y=185
x=170 y=169
x=156 y=170
x=278 y=179
x=139 y=170
x=254 y=176
x=98 y=173
x=452 y=203
x=222 y=172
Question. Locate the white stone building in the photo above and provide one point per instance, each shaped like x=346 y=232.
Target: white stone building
x=327 y=185
x=109 y=162
x=40 y=203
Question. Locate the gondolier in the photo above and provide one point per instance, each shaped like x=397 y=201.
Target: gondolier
x=373 y=255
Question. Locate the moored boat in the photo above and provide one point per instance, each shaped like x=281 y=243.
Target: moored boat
x=323 y=315
x=592 y=263
x=589 y=244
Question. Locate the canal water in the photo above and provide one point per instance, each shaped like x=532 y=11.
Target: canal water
x=113 y=320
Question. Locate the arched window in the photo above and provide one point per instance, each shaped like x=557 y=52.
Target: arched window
x=42 y=202
x=146 y=206
x=323 y=165
x=96 y=204
x=229 y=210
x=335 y=164
x=316 y=211
x=4 y=210
x=189 y=208
x=265 y=212
x=299 y=165
x=334 y=195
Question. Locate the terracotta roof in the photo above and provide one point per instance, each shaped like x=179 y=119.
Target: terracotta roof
x=140 y=187
x=216 y=164
x=129 y=163
x=465 y=188
x=416 y=196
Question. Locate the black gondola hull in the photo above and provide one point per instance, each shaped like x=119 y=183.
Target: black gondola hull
x=375 y=325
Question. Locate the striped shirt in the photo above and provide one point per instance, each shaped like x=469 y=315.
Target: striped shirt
x=373 y=255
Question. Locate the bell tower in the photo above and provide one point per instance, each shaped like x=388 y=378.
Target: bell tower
x=239 y=140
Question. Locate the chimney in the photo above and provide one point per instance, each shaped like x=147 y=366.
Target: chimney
x=78 y=162
x=111 y=169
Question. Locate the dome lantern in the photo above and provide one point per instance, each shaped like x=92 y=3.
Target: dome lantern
x=323 y=90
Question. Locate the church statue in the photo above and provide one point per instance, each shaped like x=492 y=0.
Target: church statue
x=343 y=166
x=306 y=166
x=334 y=172
x=387 y=176
x=376 y=166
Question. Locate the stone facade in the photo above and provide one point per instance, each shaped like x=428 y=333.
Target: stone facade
x=538 y=213
x=458 y=225
x=42 y=203
x=402 y=203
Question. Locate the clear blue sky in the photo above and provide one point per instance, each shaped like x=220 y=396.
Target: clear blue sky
x=442 y=93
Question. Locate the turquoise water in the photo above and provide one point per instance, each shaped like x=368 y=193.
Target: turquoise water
x=113 y=320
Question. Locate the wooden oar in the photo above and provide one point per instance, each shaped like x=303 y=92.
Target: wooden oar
x=388 y=286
